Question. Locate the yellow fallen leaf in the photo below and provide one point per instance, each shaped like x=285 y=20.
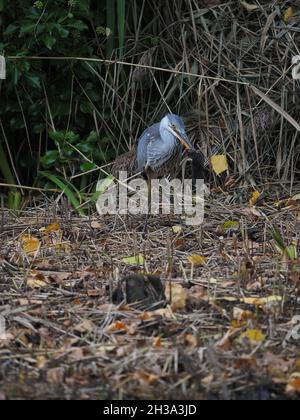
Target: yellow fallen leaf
x=64 y=247
x=228 y=298
x=249 y=7
x=164 y=312
x=261 y=301
x=231 y=225
x=197 y=260
x=212 y=280
x=177 y=229
x=207 y=381
x=288 y=14
x=219 y=164
x=176 y=295
x=254 y=336
x=54 y=227
x=36 y=283
x=136 y=260
x=41 y=362
x=36 y=280
x=30 y=244
x=293 y=386
x=241 y=315
x=191 y=340
x=103 y=350
x=255 y=196
x=296 y=197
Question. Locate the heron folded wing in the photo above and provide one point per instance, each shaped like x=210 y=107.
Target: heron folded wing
x=142 y=150
x=158 y=156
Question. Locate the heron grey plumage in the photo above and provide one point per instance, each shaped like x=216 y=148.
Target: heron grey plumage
x=161 y=146
x=160 y=150
x=159 y=153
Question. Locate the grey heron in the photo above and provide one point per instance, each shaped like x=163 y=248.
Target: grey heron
x=161 y=146
x=160 y=151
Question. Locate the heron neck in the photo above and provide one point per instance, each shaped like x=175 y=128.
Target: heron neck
x=167 y=136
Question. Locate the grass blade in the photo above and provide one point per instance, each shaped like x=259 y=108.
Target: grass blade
x=14 y=201
x=111 y=24
x=14 y=196
x=5 y=168
x=66 y=190
x=278 y=239
x=121 y=24
x=277 y=108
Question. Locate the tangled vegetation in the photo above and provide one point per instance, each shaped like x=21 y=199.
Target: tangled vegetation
x=202 y=60
x=84 y=78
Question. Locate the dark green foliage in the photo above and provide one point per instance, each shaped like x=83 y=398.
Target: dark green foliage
x=66 y=152
x=217 y=49
x=47 y=106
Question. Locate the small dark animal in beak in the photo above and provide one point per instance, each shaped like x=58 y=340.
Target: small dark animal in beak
x=197 y=159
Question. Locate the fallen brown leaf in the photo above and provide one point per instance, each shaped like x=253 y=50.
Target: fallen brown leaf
x=176 y=295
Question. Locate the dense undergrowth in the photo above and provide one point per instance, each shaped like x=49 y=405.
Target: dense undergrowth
x=224 y=66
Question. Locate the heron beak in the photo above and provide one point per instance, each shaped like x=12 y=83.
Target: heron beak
x=183 y=138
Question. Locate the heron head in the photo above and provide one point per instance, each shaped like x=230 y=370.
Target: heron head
x=175 y=126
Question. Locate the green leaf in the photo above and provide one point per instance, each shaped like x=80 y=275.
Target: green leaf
x=231 y=226
x=93 y=137
x=11 y=29
x=136 y=260
x=85 y=148
x=72 y=137
x=34 y=110
x=66 y=190
x=93 y=95
x=41 y=28
x=87 y=167
x=79 y=25
x=278 y=239
x=86 y=108
x=33 y=81
x=38 y=128
x=49 y=41
x=104 y=184
x=26 y=29
x=101 y=188
x=14 y=200
x=63 y=33
x=61 y=109
x=50 y=159
x=291 y=252
x=1 y=5
x=16 y=76
x=58 y=137
x=17 y=123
